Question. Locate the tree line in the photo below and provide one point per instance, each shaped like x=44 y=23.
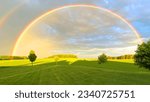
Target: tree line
x=128 y=56
x=141 y=56
x=13 y=57
x=64 y=56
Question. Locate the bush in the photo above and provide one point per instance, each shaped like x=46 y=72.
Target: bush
x=102 y=59
x=142 y=56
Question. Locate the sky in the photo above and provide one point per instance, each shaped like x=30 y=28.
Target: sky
x=83 y=31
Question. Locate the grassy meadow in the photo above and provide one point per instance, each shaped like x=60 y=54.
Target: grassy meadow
x=72 y=72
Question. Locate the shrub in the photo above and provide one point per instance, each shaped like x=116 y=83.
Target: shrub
x=102 y=59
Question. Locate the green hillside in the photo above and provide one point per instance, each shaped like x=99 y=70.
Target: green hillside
x=72 y=72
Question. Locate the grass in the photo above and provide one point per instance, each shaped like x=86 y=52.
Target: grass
x=72 y=72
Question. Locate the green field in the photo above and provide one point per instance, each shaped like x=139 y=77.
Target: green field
x=72 y=72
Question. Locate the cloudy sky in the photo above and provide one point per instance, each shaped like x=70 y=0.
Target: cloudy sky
x=84 y=31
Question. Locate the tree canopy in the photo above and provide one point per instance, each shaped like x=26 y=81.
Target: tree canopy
x=102 y=58
x=142 y=56
x=32 y=56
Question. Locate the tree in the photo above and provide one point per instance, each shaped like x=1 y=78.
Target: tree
x=32 y=56
x=102 y=59
x=56 y=59
x=142 y=56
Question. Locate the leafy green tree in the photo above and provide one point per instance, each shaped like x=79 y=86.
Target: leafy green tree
x=32 y=56
x=102 y=59
x=142 y=56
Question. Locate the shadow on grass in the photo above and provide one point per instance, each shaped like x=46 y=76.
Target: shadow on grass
x=114 y=65
x=37 y=64
x=93 y=63
x=81 y=72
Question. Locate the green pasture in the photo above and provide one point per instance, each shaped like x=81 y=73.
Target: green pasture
x=72 y=72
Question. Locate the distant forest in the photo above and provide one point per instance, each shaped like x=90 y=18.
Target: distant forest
x=64 y=56
x=129 y=56
x=13 y=57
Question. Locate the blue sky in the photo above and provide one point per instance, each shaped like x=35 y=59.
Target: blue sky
x=18 y=13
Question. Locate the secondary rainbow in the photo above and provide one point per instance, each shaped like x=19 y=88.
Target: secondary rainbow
x=4 y=19
x=71 y=6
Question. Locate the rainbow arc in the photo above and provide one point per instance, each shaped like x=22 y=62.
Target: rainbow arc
x=72 y=6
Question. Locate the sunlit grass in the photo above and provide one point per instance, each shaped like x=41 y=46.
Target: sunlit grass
x=123 y=60
x=47 y=60
x=72 y=71
x=37 y=62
